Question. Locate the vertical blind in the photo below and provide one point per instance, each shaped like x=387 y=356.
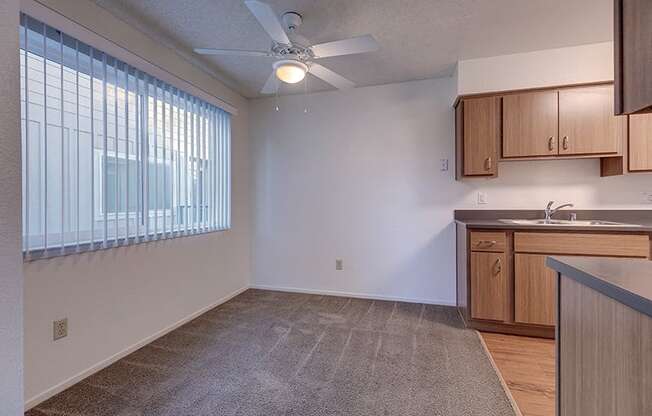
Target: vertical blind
x=111 y=155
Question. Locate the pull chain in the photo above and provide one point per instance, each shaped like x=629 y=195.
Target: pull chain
x=305 y=94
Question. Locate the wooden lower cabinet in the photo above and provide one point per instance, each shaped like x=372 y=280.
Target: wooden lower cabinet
x=504 y=284
x=489 y=277
x=534 y=290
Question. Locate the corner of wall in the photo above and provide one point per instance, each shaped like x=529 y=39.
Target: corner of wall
x=456 y=79
x=11 y=259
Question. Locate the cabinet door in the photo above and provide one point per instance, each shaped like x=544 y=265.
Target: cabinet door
x=640 y=142
x=488 y=286
x=587 y=124
x=530 y=124
x=534 y=290
x=480 y=136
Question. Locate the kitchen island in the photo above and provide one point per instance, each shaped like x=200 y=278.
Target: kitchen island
x=603 y=336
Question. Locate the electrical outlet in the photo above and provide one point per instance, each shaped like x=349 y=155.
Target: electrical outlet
x=444 y=165
x=339 y=264
x=647 y=197
x=60 y=329
x=482 y=198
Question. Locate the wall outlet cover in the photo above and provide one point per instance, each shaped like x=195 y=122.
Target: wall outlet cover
x=444 y=165
x=339 y=264
x=60 y=329
x=482 y=198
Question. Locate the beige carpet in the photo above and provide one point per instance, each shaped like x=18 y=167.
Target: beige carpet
x=274 y=353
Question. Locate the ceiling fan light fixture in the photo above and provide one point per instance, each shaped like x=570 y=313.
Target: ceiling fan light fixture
x=290 y=71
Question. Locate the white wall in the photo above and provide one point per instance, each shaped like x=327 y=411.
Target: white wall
x=118 y=298
x=11 y=275
x=359 y=178
x=356 y=178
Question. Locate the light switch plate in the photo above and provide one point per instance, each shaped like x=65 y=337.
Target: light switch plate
x=482 y=198
x=339 y=264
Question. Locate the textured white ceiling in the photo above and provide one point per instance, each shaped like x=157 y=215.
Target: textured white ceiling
x=419 y=38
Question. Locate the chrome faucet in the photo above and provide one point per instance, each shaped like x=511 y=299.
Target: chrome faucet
x=550 y=211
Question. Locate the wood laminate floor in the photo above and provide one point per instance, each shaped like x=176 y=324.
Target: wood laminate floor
x=528 y=367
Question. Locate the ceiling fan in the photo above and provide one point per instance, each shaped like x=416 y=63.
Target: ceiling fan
x=294 y=55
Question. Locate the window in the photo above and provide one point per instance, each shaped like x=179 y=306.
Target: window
x=112 y=155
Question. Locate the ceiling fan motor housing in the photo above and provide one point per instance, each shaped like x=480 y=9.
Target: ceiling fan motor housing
x=292 y=20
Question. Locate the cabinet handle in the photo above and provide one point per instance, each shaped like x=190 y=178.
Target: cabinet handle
x=551 y=143
x=498 y=267
x=565 y=143
x=488 y=243
x=488 y=163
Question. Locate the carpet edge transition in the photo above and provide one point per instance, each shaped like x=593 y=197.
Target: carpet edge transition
x=503 y=383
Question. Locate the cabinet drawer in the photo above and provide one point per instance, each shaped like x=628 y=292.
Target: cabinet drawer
x=620 y=245
x=488 y=241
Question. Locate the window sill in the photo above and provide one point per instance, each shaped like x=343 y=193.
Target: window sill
x=71 y=249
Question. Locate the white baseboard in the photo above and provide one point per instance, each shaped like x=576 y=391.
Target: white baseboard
x=353 y=295
x=41 y=397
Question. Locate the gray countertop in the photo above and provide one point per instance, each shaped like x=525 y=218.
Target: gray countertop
x=628 y=281
x=641 y=226
x=490 y=219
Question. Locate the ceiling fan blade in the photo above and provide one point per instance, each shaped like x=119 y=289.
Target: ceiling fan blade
x=213 y=51
x=325 y=74
x=351 y=46
x=271 y=85
x=268 y=20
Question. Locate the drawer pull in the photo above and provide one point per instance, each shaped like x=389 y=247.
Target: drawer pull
x=551 y=143
x=565 y=143
x=486 y=243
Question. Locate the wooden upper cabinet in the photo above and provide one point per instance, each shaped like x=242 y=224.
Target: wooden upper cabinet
x=633 y=56
x=564 y=122
x=530 y=124
x=480 y=126
x=587 y=124
x=640 y=142
x=489 y=297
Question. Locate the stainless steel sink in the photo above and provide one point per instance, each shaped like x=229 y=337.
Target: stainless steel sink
x=576 y=223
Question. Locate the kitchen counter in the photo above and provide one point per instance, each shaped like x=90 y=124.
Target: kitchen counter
x=629 y=281
x=490 y=219
x=604 y=336
x=503 y=282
